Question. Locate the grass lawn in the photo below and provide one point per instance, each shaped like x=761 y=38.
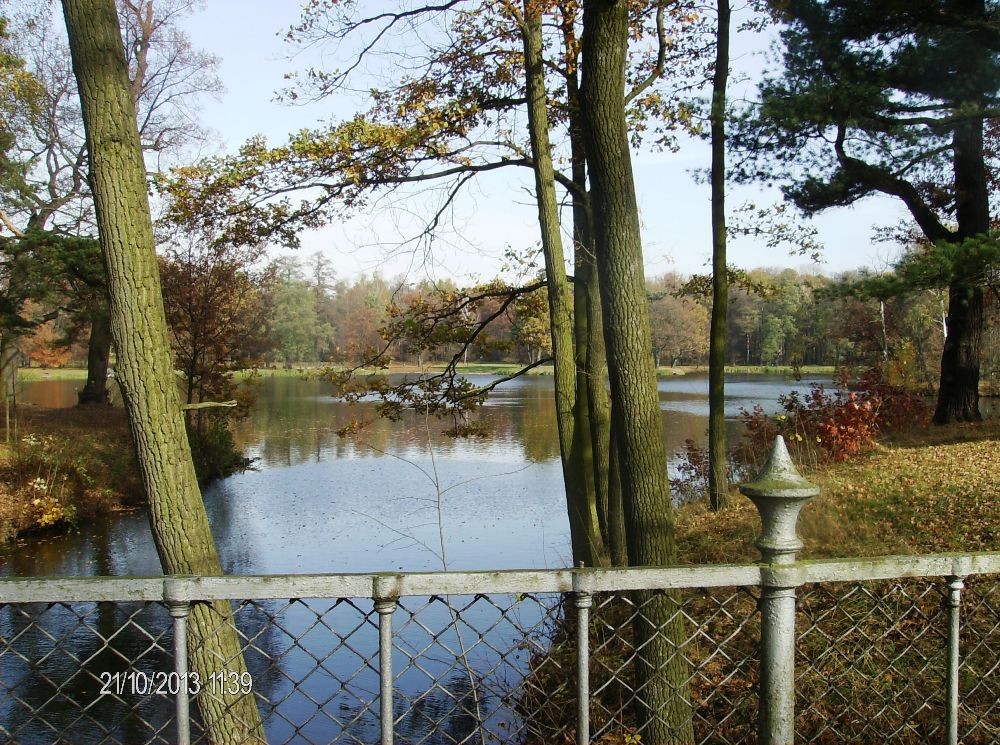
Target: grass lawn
x=44 y=373
x=933 y=489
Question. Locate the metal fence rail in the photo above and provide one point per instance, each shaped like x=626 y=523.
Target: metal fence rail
x=524 y=656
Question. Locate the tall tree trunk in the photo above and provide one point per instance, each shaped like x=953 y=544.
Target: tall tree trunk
x=98 y=354
x=663 y=708
x=617 y=539
x=718 y=480
x=145 y=371
x=591 y=361
x=958 y=392
x=596 y=378
x=8 y=376
x=573 y=440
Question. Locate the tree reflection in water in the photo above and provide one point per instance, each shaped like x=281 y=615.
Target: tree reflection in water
x=314 y=665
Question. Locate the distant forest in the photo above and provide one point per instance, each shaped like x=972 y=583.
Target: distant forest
x=226 y=313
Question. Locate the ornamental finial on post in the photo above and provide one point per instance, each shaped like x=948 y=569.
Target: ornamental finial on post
x=779 y=492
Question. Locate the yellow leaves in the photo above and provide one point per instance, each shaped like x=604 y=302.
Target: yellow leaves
x=51 y=511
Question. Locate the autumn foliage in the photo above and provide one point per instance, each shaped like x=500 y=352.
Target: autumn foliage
x=832 y=424
x=45 y=347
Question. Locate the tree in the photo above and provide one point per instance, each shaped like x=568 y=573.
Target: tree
x=361 y=310
x=581 y=502
x=718 y=478
x=663 y=709
x=924 y=270
x=438 y=125
x=50 y=191
x=679 y=324
x=177 y=514
x=45 y=345
x=321 y=276
x=297 y=331
x=456 y=114
x=214 y=301
x=852 y=114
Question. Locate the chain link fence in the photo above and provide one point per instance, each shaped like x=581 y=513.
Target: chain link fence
x=496 y=657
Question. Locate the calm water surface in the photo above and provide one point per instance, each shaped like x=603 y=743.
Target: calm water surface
x=397 y=496
x=319 y=502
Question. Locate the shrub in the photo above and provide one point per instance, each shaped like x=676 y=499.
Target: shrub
x=832 y=425
x=213 y=450
x=691 y=481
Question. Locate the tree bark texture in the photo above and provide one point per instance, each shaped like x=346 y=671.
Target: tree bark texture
x=145 y=370
x=617 y=539
x=573 y=440
x=663 y=709
x=591 y=361
x=718 y=479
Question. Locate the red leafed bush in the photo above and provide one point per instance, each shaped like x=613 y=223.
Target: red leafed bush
x=831 y=424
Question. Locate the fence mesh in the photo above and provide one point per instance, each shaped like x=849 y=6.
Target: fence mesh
x=871 y=666
x=872 y=662
x=85 y=673
x=979 y=674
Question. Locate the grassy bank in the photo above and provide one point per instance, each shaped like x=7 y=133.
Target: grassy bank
x=474 y=368
x=509 y=368
x=31 y=374
x=930 y=490
x=63 y=467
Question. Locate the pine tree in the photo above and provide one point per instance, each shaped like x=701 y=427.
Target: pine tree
x=891 y=98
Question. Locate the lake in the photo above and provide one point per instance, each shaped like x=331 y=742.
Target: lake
x=383 y=499
x=397 y=496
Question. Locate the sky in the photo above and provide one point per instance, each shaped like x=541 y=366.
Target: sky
x=498 y=213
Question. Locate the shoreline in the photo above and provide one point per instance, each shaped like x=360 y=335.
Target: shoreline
x=34 y=374
x=914 y=492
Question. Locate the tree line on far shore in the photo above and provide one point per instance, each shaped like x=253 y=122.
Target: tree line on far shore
x=228 y=313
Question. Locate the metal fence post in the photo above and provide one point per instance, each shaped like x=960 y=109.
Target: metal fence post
x=386 y=602
x=180 y=609
x=779 y=493
x=582 y=601
x=955 y=586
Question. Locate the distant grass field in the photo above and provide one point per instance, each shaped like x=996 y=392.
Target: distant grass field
x=474 y=368
x=30 y=374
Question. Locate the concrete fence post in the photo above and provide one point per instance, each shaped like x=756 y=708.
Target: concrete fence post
x=779 y=493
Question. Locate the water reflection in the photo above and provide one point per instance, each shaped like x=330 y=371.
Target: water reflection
x=87 y=669
x=319 y=502
x=386 y=499
x=60 y=656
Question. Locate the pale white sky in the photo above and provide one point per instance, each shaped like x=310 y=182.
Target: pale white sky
x=245 y=35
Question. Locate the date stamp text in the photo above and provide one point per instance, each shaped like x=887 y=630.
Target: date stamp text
x=140 y=683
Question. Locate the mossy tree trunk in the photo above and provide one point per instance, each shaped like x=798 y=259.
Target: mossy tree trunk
x=145 y=370
x=718 y=480
x=572 y=412
x=662 y=705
